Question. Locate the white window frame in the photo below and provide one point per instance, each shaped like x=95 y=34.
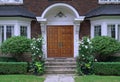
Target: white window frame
x=5 y=30
x=17 y=2
x=27 y=30
x=94 y=29
x=108 y=1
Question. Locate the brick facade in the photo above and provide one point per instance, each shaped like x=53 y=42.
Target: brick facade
x=82 y=7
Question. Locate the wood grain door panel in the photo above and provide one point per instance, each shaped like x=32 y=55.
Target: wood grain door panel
x=60 y=41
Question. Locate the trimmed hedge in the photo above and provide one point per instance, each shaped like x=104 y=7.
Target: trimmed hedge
x=107 y=68
x=113 y=59
x=13 y=67
x=7 y=59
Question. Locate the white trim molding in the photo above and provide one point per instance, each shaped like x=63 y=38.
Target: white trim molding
x=71 y=17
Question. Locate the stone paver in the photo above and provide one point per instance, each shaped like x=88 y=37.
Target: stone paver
x=59 y=78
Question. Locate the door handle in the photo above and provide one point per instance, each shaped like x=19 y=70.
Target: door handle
x=60 y=44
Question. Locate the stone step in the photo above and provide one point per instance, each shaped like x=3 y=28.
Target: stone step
x=60 y=71
x=60 y=60
x=60 y=65
x=66 y=66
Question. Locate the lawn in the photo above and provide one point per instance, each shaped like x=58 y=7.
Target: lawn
x=21 y=78
x=94 y=78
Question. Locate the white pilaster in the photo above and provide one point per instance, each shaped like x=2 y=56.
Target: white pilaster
x=104 y=29
x=76 y=34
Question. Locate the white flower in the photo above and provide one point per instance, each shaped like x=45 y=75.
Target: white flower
x=96 y=60
x=88 y=40
x=82 y=55
x=86 y=47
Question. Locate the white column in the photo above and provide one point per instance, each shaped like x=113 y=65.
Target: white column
x=76 y=39
x=77 y=22
x=44 y=35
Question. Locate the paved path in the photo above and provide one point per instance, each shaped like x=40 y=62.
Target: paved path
x=59 y=78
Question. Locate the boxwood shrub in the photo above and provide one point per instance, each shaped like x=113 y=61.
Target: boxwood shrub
x=104 y=47
x=7 y=59
x=107 y=68
x=13 y=67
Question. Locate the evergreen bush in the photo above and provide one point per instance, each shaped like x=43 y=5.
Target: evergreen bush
x=104 y=47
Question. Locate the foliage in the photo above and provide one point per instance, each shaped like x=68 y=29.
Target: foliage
x=13 y=67
x=37 y=68
x=107 y=68
x=85 y=59
x=16 y=45
x=113 y=59
x=94 y=78
x=21 y=78
x=7 y=59
x=37 y=65
x=104 y=47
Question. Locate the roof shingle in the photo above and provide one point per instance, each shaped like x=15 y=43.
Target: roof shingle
x=15 y=11
x=104 y=10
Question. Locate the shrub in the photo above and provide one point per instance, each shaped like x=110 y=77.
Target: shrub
x=7 y=59
x=104 y=47
x=13 y=67
x=85 y=59
x=16 y=45
x=113 y=59
x=107 y=68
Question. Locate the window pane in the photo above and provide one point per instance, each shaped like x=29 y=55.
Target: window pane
x=119 y=32
x=111 y=31
x=1 y=34
x=97 y=30
x=23 y=31
x=9 y=31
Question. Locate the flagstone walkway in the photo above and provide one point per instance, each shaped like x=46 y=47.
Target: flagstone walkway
x=59 y=78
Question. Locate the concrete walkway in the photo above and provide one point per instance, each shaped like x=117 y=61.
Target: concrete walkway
x=59 y=78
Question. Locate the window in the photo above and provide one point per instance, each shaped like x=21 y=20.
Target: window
x=23 y=31
x=109 y=1
x=11 y=1
x=111 y=31
x=6 y=31
x=97 y=30
x=9 y=31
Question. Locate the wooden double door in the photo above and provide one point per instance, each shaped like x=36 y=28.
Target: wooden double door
x=60 y=41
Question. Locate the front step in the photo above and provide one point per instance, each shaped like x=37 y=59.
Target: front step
x=60 y=65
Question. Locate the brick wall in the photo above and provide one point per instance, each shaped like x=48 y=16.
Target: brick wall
x=35 y=29
x=82 y=6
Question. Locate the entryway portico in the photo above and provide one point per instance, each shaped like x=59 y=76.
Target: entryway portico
x=58 y=16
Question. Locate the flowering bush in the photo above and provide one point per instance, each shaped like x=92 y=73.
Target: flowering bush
x=85 y=59
x=36 y=49
x=37 y=65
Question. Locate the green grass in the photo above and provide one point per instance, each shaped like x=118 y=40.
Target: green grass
x=94 y=78
x=21 y=78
